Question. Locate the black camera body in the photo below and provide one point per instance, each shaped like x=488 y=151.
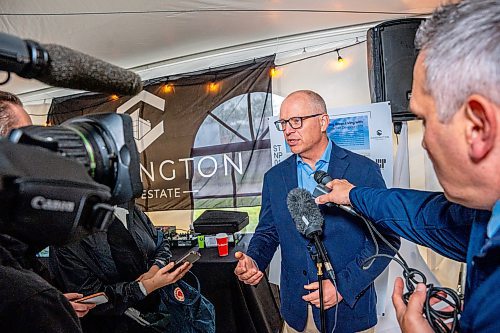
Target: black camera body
x=102 y=143
x=58 y=184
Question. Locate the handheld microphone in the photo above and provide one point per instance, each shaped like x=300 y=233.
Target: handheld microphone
x=60 y=66
x=309 y=222
x=322 y=178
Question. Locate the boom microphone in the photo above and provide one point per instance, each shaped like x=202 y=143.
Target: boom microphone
x=60 y=66
x=322 y=178
x=309 y=222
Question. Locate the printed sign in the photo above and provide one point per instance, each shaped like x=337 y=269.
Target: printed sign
x=363 y=129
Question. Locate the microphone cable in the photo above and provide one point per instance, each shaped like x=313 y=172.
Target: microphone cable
x=437 y=318
x=412 y=276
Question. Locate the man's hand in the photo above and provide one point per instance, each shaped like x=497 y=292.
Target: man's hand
x=246 y=270
x=81 y=309
x=329 y=294
x=411 y=317
x=162 y=277
x=339 y=194
x=149 y=274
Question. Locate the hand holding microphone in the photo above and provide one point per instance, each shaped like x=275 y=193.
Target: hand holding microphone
x=333 y=192
x=339 y=192
x=246 y=270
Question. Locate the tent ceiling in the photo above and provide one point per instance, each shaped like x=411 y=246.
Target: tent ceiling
x=133 y=33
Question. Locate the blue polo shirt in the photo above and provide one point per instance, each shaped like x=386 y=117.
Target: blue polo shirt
x=305 y=174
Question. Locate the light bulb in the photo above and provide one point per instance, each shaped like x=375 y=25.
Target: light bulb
x=168 y=88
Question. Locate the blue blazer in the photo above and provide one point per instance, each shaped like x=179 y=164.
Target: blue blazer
x=454 y=231
x=345 y=238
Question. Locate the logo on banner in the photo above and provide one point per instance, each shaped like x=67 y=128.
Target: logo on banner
x=144 y=135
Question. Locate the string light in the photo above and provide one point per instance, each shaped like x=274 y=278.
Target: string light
x=213 y=87
x=275 y=72
x=340 y=64
x=315 y=55
x=168 y=88
x=340 y=60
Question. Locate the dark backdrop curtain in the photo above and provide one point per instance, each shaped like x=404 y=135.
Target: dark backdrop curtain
x=202 y=136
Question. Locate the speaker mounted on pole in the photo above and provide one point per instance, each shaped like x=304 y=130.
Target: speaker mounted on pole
x=391 y=57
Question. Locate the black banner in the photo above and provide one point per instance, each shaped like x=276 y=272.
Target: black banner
x=203 y=136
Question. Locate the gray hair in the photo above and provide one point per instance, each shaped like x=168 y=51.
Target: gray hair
x=461 y=45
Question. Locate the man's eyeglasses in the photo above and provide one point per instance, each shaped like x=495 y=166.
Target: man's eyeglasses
x=294 y=122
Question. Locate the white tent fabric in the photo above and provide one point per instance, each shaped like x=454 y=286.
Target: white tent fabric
x=133 y=34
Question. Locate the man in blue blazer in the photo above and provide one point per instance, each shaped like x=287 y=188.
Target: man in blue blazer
x=459 y=104
x=304 y=121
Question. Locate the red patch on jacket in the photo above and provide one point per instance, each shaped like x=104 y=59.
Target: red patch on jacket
x=178 y=294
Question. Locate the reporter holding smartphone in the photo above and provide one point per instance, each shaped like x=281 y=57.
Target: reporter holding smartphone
x=129 y=264
x=81 y=309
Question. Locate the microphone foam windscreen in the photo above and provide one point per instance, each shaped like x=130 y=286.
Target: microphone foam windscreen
x=72 y=69
x=301 y=204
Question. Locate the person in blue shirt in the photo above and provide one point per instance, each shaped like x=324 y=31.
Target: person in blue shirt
x=304 y=121
x=456 y=92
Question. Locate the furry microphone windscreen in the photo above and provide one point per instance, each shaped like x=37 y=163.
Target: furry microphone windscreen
x=72 y=69
x=303 y=210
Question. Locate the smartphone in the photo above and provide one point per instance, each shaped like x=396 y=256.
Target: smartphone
x=97 y=298
x=190 y=257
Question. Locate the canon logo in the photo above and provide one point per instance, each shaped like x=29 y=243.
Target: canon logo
x=42 y=203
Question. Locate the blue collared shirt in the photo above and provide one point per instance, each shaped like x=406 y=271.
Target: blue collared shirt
x=494 y=223
x=305 y=174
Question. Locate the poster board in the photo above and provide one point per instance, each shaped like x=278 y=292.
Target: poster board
x=363 y=129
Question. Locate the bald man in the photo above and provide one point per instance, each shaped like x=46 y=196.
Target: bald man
x=350 y=305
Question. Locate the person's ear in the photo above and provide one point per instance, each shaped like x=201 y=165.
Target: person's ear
x=482 y=126
x=324 y=122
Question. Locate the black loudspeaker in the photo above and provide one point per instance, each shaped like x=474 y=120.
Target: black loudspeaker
x=391 y=56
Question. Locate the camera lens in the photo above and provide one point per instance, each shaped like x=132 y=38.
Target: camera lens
x=102 y=143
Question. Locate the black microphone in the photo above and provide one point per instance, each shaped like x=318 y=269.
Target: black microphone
x=309 y=222
x=322 y=178
x=60 y=66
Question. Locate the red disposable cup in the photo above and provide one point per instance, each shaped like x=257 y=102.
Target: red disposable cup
x=222 y=244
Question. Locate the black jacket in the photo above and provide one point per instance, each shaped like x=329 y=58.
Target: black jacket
x=28 y=302
x=88 y=267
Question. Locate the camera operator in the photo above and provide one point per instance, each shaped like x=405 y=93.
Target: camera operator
x=12 y=113
x=30 y=303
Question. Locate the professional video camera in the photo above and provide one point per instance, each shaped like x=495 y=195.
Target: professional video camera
x=57 y=184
